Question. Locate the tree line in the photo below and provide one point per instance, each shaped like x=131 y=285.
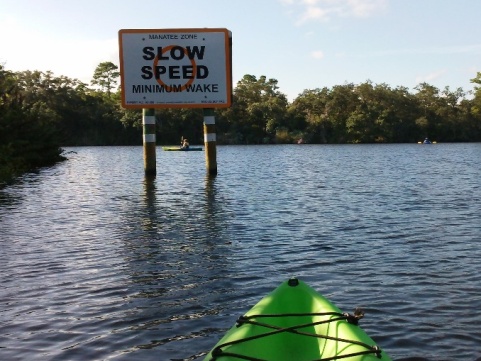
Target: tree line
x=41 y=112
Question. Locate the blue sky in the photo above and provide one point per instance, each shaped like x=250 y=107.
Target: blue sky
x=304 y=44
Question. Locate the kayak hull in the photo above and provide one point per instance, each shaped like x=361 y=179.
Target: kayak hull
x=190 y=149
x=310 y=328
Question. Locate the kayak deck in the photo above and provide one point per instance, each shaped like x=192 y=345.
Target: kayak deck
x=294 y=322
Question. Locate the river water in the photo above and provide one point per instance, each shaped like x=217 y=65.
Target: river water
x=99 y=263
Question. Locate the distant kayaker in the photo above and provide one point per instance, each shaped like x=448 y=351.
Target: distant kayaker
x=185 y=144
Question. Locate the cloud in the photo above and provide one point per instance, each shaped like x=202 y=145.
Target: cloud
x=314 y=13
x=325 y=10
x=317 y=54
x=365 y=8
x=431 y=76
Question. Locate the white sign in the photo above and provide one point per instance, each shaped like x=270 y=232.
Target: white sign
x=175 y=68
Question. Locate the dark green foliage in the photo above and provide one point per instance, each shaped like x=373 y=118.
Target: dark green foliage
x=29 y=137
x=259 y=110
x=368 y=113
x=39 y=113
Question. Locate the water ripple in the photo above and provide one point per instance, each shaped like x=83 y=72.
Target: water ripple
x=98 y=262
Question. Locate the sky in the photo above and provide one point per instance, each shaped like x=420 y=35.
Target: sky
x=303 y=44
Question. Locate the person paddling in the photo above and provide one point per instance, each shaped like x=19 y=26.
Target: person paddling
x=184 y=143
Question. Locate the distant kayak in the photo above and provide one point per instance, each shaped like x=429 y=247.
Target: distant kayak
x=294 y=322
x=190 y=149
x=426 y=141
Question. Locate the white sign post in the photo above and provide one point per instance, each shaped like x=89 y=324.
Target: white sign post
x=175 y=68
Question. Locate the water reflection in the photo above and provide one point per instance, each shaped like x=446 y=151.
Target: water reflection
x=149 y=222
x=214 y=215
x=210 y=192
x=175 y=247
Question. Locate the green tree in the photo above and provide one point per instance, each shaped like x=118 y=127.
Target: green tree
x=427 y=100
x=29 y=136
x=474 y=120
x=342 y=102
x=258 y=110
x=452 y=116
x=383 y=114
x=105 y=76
x=444 y=115
x=308 y=115
x=477 y=93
